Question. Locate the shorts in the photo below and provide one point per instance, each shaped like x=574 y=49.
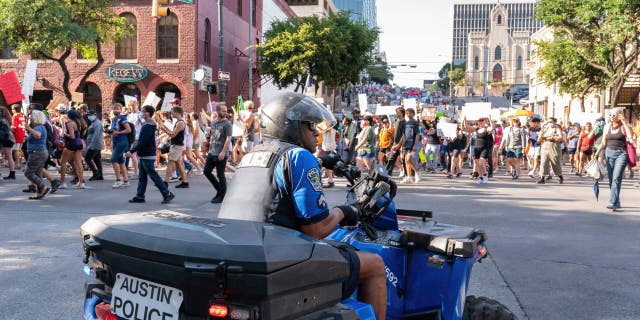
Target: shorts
x=119 y=149
x=587 y=152
x=481 y=153
x=385 y=150
x=73 y=148
x=175 y=153
x=457 y=152
x=572 y=150
x=534 y=152
x=514 y=153
x=350 y=284
x=16 y=146
x=366 y=155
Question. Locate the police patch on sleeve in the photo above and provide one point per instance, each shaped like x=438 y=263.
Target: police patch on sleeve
x=313 y=176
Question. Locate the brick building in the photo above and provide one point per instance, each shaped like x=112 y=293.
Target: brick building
x=165 y=49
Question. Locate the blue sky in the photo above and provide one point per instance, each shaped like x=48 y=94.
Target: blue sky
x=417 y=32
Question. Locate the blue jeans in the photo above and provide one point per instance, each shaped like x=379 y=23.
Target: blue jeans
x=432 y=149
x=146 y=168
x=616 y=164
x=444 y=152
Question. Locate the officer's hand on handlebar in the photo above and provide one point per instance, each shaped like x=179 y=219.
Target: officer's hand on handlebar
x=351 y=214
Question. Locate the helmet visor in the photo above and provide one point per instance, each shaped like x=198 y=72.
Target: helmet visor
x=308 y=110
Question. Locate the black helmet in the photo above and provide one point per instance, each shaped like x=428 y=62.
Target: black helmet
x=281 y=118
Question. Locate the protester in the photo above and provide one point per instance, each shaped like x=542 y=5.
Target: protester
x=19 y=134
x=217 y=157
x=573 y=136
x=614 y=143
x=133 y=117
x=458 y=148
x=410 y=147
x=328 y=145
x=365 y=149
x=95 y=144
x=176 y=140
x=7 y=140
x=550 y=153
x=119 y=130
x=586 y=141
x=38 y=155
x=432 y=150
x=385 y=141
x=513 y=142
x=533 y=139
x=191 y=131
x=249 y=127
x=145 y=149
x=398 y=141
x=481 y=149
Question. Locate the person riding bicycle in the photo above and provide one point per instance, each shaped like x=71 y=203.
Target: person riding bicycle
x=280 y=182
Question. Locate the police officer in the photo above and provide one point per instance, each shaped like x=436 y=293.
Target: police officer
x=280 y=182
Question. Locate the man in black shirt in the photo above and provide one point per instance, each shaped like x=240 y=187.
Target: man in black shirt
x=398 y=141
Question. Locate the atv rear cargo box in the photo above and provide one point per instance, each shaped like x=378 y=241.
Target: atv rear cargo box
x=280 y=272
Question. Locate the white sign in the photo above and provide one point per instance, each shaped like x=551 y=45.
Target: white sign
x=362 y=101
x=385 y=110
x=128 y=99
x=448 y=129
x=410 y=104
x=236 y=129
x=148 y=101
x=166 y=101
x=476 y=110
x=495 y=114
x=224 y=76
x=135 y=298
x=208 y=77
x=29 y=80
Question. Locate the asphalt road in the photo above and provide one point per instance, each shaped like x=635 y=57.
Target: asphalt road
x=556 y=253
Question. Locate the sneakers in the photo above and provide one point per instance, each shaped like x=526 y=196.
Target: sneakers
x=485 y=179
x=478 y=181
x=168 y=198
x=94 y=178
x=405 y=180
x=416 y=179
x=401 y=175
x=541 y=181
x=117 y=184
x=217 y=199
x=532 y=174
x=560 y=179
x=55 y=184
x=183 y=185
x=133 y=176
x=63 y=186
x=125 y=184
x=79 y=185
x=136 y=199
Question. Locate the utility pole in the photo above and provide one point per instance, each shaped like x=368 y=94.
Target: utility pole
x=222 y=84
x=251 y=4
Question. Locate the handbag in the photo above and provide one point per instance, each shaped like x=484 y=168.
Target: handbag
x=595 y=169
x=631 y=153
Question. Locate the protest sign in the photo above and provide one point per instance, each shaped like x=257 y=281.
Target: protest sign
x=166 y=101
x=237 y=130
x=362 y=101
x=29 y=79
x=410 y=104
x=385 y=110
x=448 y=129
x=148 y=101
x=128 y=99
x=77 y=97
x=476 y=110
x=10 y=87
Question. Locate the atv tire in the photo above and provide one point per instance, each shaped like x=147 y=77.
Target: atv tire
x=483 y=308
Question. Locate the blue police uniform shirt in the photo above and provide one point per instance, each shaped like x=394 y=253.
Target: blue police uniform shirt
x=306 y=186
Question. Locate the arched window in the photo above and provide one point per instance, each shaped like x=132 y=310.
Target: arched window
x=497 y=73
x=499 y=19
x=207 y=41
x=476 y=63
x=498 y=55
x=168 y=37
x=127 y=47
x=519 y=63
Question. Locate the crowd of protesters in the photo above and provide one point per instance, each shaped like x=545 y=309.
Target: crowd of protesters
x=143 y=140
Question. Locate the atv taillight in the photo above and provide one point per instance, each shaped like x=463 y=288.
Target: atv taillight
x=218 y=310
x=103 y=312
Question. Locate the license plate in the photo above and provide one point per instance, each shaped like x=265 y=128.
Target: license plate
x=139 y=299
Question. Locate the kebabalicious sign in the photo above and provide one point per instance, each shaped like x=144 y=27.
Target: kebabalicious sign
x=126 y=72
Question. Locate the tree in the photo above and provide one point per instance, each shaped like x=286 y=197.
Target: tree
x=595 y=45
x=379 y=72
x=51 y=29
x=444 y=75
x=332 y=49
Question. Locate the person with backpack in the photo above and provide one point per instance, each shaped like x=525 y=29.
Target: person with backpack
x=7 y=140
x=133 y=117
x=119 y=130
x=513 y=141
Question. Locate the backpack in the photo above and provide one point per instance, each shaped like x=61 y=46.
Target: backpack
x=6 y=136
x=131 y=136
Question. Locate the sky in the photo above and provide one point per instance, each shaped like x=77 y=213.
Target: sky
x=417 y=32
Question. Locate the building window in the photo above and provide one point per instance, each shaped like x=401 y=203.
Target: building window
x=498 y=53
x=519 y=63
x=7 y=54
x=240 y=7
x=168 y=37
x=207 y=41
x=127 y=48
x=499 y=19
x=476 y=63
x=253 y=10
x=497 y=73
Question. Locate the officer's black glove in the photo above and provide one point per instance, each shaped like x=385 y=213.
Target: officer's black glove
x=350 y=215
x=330 y=160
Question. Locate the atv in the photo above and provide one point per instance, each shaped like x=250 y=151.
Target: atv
x=168 y=265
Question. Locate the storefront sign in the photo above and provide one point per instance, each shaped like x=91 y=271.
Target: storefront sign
x=126 y=72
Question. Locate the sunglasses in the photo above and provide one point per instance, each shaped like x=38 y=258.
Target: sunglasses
x=311 y=125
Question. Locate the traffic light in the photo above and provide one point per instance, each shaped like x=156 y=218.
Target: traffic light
x=159 y=9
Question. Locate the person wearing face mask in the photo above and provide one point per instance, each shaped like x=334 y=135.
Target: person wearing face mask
x=145 y=149
x=95 y=144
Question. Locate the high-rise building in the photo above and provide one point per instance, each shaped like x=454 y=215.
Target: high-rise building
x=474 y=17
x=361 y=10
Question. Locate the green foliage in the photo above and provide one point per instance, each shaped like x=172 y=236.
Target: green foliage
x=457 y=76
x=52 y=28
x=379 y=72
x=445 y=73
x=594 y=46
x=333 y=49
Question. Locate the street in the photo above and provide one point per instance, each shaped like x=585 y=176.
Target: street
x=555 y=253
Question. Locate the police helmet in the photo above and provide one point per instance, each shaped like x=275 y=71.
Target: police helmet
x=282 y=117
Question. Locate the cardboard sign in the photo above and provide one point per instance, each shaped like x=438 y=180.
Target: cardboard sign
x=362 y=101
x=128 y=99
x=410 y=104
x=385 y=110
x=237 y=130
x=448 y=129
x=148 y=101
x=10 y=87
x=77 y=97
x=166 y=102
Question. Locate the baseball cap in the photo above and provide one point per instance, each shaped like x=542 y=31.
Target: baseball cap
x=93 y=112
